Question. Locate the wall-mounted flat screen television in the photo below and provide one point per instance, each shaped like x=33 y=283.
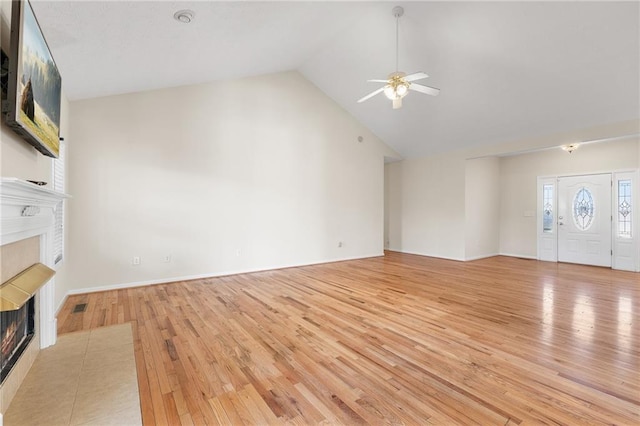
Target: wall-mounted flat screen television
x=35 y=85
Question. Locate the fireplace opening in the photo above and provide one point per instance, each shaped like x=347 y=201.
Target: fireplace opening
x=16 y=330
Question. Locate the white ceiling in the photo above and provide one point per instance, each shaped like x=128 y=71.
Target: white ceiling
x=507 y=70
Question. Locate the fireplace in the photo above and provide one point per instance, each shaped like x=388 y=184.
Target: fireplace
x=17 y=328
x=27 y=217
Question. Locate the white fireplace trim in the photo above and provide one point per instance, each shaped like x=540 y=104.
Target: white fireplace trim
x=28 y=210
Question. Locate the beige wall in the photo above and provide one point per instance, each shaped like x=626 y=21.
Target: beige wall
x=225 y=177
x=426 y=212
x=518 y=176
x=428 y=197
x=482 y=207
x=21 y=160
x=393 y=206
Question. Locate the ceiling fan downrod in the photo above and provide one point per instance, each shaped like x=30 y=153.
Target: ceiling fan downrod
x=397 y=11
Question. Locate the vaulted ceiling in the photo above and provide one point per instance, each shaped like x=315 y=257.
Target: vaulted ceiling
x=506 y=70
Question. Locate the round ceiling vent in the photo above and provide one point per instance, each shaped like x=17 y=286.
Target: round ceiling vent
x=184 y=16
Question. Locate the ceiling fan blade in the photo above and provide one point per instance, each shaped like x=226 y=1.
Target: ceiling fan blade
x=372 y=94
x=424 y=89
x=378 y=81
x=415 y=76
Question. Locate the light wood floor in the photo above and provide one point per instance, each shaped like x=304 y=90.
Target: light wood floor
x=394 y=339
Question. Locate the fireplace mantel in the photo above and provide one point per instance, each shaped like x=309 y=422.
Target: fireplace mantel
x=28 y=210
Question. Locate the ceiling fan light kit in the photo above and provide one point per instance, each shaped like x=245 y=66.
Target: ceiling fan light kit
x=396 y=89
x=398 y=83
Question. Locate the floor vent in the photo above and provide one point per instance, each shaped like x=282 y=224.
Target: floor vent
x=80 y=307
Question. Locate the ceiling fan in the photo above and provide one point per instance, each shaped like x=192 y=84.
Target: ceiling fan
x=398 y=83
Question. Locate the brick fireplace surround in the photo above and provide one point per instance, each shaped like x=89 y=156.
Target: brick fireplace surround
x=28 y=211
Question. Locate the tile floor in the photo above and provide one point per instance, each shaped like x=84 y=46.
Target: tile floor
x=86 y=378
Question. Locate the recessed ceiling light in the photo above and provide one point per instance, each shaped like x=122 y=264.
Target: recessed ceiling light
x=184 y=16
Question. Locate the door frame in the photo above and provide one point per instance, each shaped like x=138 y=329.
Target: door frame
x=625 y=251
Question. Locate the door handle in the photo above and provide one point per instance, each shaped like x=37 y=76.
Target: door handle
x=560 y=223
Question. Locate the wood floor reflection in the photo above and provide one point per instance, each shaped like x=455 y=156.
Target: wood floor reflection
x=394 y=339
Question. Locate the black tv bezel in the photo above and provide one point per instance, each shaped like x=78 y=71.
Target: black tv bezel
x=12 y=112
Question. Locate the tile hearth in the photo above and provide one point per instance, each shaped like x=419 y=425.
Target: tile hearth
x=87 y=378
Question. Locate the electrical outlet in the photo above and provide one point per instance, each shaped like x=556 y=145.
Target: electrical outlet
x=135 y=260
x=167 y=259
x=238 y=252
x=339 y=243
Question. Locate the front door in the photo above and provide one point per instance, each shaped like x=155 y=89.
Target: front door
x=584 y=219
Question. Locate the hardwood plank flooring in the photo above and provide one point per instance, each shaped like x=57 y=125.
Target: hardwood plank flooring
x=394 y=339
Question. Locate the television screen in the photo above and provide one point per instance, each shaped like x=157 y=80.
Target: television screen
x=34 y=83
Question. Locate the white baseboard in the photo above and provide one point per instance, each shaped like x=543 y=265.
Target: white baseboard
x=437 y=256
x=521 y=256
x=201 y=276
x=482 y=256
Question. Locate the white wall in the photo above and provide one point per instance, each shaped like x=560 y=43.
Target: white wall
x=482 y=207
x=518 y=185
x=225 y=177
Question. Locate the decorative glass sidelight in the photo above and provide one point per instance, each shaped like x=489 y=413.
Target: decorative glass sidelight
x=547 y=208
x=624 y=208
x=583 y=209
